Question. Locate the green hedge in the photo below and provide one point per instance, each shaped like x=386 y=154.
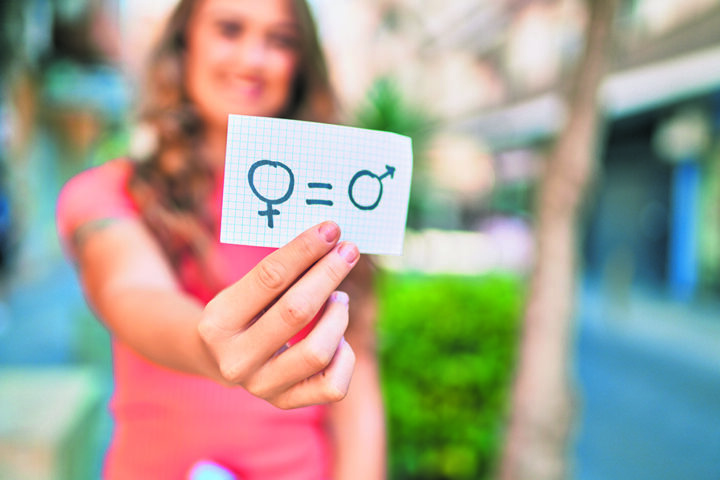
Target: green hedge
x=447 y=346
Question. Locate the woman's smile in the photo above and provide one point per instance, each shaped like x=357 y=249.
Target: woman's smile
x=246 y=89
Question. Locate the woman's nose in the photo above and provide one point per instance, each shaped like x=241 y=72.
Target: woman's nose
x=254 y=53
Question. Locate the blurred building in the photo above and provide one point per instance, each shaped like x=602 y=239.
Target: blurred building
x=64 y=99
x=492 y=73
x=63 y=105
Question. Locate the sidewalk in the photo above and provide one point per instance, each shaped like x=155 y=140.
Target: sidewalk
x=648 y=370
x=51 y=343
x=41 y=315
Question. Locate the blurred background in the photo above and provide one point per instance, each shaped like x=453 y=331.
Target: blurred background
x=481 y=86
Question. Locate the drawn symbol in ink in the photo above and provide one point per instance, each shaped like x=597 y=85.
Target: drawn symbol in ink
x=313 y=201
x=363 y=173
x=270 y=202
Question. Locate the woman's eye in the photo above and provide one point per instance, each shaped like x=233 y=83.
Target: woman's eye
x=229 y=29
x=284 y=41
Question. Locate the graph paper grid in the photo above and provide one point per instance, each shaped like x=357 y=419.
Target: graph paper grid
x=284 y=176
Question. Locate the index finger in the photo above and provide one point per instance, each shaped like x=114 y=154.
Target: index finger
x=271 y=277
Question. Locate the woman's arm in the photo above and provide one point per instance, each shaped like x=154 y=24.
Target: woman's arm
x=358 y=421
x=133 y=290
x=236 y=337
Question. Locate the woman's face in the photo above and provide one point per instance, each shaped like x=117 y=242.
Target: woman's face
x=241 y=58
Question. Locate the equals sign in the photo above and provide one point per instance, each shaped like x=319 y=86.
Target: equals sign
x=313 y=201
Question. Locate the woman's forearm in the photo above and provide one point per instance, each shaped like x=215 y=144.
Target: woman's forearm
x=161 y=325
x=358 y=426
x=134 y=293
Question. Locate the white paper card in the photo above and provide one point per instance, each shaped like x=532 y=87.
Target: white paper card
x=284 y=176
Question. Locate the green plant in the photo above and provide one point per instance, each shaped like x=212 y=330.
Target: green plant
x=386 y=108
x=447 y=345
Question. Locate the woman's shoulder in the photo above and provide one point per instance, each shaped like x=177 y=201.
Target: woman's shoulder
x=113 y=173
x=97 y=193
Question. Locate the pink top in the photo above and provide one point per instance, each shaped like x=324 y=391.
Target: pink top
x=166 y=421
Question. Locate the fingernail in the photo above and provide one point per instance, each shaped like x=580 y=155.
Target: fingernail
x=329 y=231
x=340 y=297
x=348 y=251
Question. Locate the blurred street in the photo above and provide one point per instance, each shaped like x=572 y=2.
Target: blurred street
x=42 y=331
x=55 y=378
x=649 y=387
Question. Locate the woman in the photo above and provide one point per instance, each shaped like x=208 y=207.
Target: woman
x=210 y=339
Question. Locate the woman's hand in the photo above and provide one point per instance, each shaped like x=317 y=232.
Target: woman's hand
x=247 y=326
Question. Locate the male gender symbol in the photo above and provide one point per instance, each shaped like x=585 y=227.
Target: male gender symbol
x=270 y=202
x=362 y=173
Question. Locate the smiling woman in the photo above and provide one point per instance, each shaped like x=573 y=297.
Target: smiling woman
x=201 y=330
x=241 y=58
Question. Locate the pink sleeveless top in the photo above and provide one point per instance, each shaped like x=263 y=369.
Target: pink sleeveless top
x=166 y=421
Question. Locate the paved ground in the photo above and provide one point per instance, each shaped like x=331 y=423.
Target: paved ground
x=649 y=375
x=45 y=323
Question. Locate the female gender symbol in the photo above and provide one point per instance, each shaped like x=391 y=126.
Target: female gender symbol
x=362 y=173
x=270 y=211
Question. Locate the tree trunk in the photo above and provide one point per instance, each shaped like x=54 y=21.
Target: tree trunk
x=537 y=436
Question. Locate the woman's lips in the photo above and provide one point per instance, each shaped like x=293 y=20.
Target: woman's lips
x=247 y=89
